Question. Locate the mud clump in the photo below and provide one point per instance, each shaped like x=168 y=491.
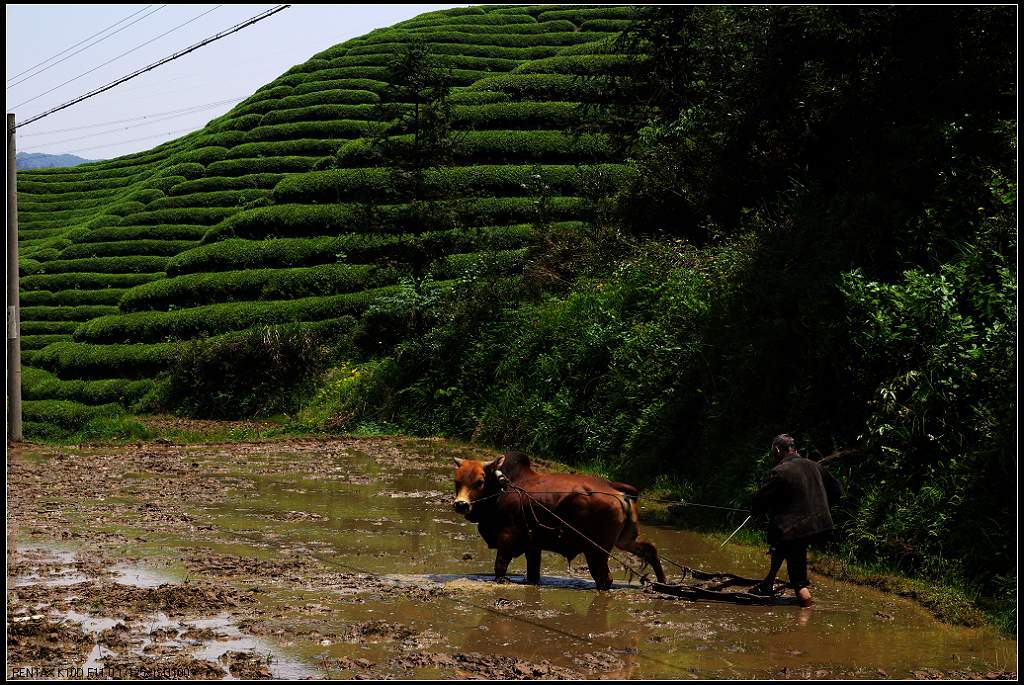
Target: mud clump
x=229 y=566
x=34 y=640
x=247 y=665
x=116 y=637
x=489 y=666
x=126 y=601
x=162 y=667
x=377 y=630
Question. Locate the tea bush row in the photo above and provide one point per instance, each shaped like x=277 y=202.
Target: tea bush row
x=70 y=298
x=341 y=185
x=194 y=290
x=237 y=253
x=75 y=280
x=164 y=248
x=109 y=265
x=204 y=321
x=317 y=220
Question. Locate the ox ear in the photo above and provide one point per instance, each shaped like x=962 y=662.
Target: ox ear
x=494 y=465
x=458 y=462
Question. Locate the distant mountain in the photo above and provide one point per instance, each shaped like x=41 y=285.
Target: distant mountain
x=39 y=160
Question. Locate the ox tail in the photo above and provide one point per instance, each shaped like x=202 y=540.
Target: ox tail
x=626 y=489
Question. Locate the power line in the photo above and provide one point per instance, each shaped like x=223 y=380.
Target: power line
x=135 y=140
x=195 y=110
x=182 y=53
x=125 y=128
x=86 y=47
x=137 y=47
x=185 y=110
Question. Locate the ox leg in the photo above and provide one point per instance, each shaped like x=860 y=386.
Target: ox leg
x=646 y=551
x=501 y=562
x=597 y=562
x=533 y=567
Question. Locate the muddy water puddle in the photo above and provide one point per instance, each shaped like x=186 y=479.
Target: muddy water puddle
x=343 y=559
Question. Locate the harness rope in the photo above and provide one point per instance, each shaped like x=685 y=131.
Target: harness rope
x=629 y=568
x=636 y=497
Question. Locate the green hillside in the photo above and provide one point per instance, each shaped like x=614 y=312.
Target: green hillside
x=285 y=210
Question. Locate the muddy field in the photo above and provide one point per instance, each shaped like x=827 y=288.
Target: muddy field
x=342 y=559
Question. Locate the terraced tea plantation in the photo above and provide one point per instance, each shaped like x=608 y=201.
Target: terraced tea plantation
x=285 y=210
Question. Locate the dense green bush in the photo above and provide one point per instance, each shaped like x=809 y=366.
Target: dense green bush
x=85 y=280
x=320 y=113
x=580 y=65
x=71 y=298
x=242 y=122
x=193 y=215
x=457 y=48
x=447 y=20
x=606 y=24
x=505 y=115
x=219 y=198
x=163 y=248
x=54 y=419
x=364 y=84
x=352 y=102
x=38 y=384
x=560 y=87
x=342 y=129
x=110 y=265
x=260 y=372
x=212 y=184
x=444 y=35
x=83 y=361
x=146 y=195
x=463 y=97
x=225 y=139
x=488 y=263
x=519 y=29
x=255 y=284
x=236 y=253
x=186 y=169
x=38 y=342
x=300 y=147
x=165 y=183
x=202 y=155
x=66 y=313
x=214 y=319
x=115 y=234
x=319 y=220
x=584 y=13
x=29 y=328
x=496 y=147
x=341 y=185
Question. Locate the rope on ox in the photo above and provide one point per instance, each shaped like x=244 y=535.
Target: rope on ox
x=630 y=569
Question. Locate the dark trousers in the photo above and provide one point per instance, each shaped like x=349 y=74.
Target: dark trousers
x=794 y=553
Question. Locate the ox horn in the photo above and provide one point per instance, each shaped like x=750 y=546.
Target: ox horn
x=496 y=464
x=458 y=462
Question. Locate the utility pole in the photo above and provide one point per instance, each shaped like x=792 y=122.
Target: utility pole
x=13 y=300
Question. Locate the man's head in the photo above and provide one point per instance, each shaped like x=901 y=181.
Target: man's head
x=783 y=446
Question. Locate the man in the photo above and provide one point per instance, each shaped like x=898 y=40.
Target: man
x=796 y=497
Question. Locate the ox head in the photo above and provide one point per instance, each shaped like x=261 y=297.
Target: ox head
x=473 y=480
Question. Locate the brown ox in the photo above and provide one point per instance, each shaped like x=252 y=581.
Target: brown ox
x=512 y=506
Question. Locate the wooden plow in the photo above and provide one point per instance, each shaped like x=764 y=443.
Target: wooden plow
x=720 y=587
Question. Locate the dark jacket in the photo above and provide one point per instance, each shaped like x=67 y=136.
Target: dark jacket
x=797 y=497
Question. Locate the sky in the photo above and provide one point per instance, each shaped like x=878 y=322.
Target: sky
x=174 y=99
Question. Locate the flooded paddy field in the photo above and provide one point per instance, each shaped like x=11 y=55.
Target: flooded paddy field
x=343 y=559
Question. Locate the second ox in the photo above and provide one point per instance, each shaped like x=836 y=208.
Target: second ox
x=521 y=511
